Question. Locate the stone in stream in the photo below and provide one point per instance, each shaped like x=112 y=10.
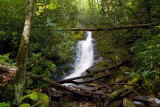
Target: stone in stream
x=146 y=101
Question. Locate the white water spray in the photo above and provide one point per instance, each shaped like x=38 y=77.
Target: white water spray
x=84 y=56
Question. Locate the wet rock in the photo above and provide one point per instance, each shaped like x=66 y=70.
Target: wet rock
x=93 y=40
x=98 y=66
x=146 y=101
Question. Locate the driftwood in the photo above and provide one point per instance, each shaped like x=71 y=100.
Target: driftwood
x=111 y=28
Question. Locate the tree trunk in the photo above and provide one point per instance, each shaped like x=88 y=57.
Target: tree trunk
x=20 y=78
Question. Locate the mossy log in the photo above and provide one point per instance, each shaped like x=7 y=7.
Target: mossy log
x=119 y=93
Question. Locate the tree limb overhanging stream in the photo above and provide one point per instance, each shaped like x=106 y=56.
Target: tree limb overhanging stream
x=112 y=28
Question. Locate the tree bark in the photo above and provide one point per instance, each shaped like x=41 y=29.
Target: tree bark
x=20 y=78
x=111 y=28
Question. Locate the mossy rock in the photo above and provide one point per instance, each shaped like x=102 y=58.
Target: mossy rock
x=98 y=66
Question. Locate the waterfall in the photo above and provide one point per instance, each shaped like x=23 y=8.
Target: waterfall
x=84 y=56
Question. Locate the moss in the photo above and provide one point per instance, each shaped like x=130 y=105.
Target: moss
x=78 y=37
x=99 y=66
x=128 y=103
x=118 y=74
x=104 y=64
x=112 y=96
x=134 y=80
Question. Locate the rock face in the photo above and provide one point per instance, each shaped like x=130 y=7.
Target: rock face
x=97 y=56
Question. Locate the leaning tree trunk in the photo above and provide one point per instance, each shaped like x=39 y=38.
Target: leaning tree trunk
x=20 y=78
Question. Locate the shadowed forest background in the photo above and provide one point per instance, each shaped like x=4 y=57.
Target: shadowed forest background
x=38 y=40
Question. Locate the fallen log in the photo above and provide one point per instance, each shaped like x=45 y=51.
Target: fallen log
x=87 y=81
x=119 y=93
x=111 y=28
x=59 y=86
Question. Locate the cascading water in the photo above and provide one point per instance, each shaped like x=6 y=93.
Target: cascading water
x=84 y=57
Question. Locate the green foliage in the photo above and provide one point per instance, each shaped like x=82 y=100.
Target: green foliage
x=40 y=66
x=34 y=97
x=11 y=25
x=43 y=6
x=5 y=58
x=25 y=105
x=5 y=104
x=147 y=77
x=147 y=51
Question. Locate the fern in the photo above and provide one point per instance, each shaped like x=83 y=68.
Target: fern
x=33 y=96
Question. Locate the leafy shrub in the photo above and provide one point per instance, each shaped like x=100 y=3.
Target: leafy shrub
x=146 y=51
x=5 y=59
x=38 y=65
x=5 y=104
x=34 y=97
